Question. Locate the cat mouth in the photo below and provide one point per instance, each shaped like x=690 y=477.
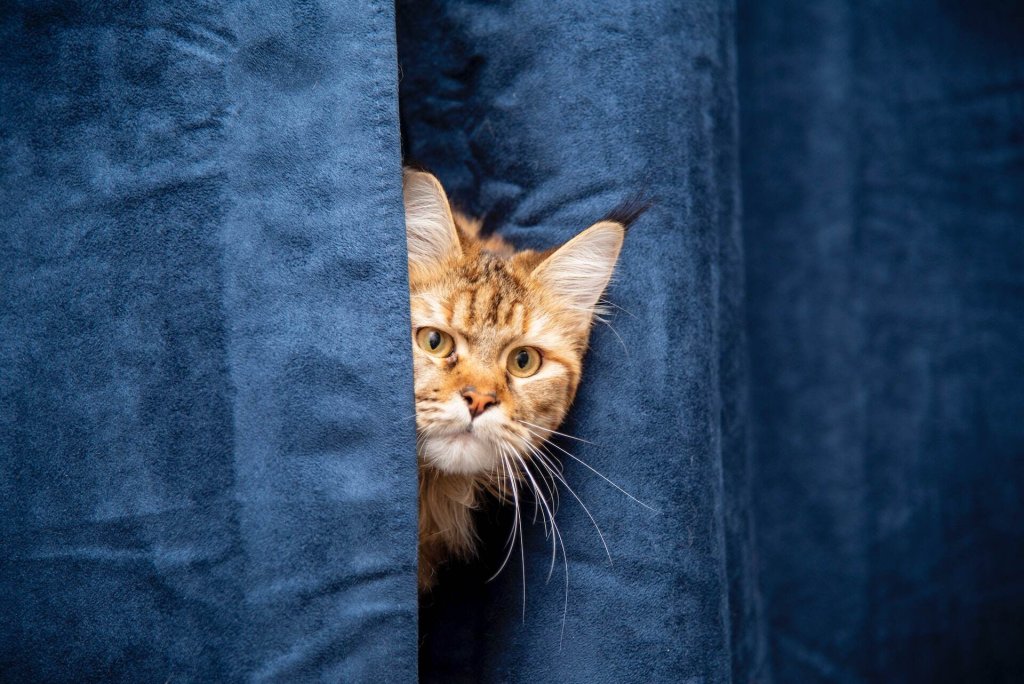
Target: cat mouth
x=468 y=436
x=463 y=430
x=464 y=436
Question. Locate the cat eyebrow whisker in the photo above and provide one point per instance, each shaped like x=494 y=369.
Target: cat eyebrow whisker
x=598 y=313
x=607 y=302
x=601 y=319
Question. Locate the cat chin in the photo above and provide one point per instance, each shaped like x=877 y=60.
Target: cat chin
x=462 y=453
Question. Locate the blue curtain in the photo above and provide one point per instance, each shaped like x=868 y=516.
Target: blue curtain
x=205 y=348
x=883 y=177
x=814 y=377
x=540 y=117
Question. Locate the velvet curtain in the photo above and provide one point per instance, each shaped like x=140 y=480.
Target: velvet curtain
x=812 y=378
x=883 y=177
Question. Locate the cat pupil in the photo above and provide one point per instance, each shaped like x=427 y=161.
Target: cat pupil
x=522 y=358
x=434 y=340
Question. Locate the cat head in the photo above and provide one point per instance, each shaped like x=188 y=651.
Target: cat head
x=498 y=335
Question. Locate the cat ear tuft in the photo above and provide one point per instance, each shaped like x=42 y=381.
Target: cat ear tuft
x=630 y=209
x=430 y=229
x=579 y=271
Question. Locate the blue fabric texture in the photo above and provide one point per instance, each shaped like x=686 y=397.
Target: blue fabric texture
x=206 y=451
x=883 y=176
x=813 y=375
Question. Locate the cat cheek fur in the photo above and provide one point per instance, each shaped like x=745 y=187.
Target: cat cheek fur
x=490 y=298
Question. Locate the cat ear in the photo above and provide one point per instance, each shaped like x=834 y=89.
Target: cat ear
x=429 y=228
x=578 y=271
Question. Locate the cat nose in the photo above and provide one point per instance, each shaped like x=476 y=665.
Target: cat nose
x=478 y=402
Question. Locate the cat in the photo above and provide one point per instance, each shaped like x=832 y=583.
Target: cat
x=498 y=341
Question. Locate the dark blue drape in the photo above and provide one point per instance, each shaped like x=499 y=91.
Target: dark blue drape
x=541 y=118
x=207 y=470
x=883 y=176
x=207 y=465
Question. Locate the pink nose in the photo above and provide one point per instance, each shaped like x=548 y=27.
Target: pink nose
x=478 y=402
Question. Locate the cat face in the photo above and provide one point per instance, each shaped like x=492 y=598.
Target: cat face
x=498 y=336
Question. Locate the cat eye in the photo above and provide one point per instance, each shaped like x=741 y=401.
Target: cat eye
x=435 y=342
x=523 y=362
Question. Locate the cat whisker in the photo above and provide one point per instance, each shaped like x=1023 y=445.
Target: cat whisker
x=556 y=540
x=522 y=556
x=517 y=524
x=549 y=483
x=498 y=482
x=606 y=302
x=595 y=471
x=538 y=494
x=554 y=432
x=552 y=486
x=536 y=506
x=586 y=510
x=515 y=461
x=511 y=542
x=565 y=561
x=502 y=484
x=614 y=332
x=513 y=455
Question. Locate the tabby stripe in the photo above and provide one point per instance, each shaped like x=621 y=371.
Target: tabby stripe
x=471 y=309
x=492 y=313
x=517 y=319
